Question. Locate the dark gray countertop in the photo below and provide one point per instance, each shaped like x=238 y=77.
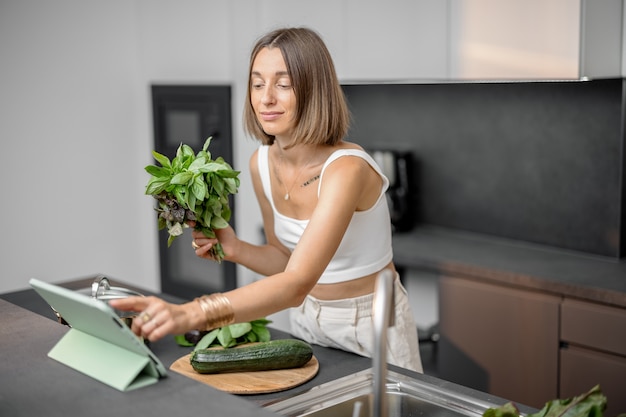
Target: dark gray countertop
x=36 y=312
x=32 y=384
x=513 y=263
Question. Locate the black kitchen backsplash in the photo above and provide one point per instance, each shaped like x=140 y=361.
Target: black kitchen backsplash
x=540 y=162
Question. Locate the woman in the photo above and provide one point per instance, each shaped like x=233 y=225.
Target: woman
x=324 y=213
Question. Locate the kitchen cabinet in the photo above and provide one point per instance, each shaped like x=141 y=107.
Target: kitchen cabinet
x=433 y=40
x=394 y=40
x=371 y=40
x=534 y=39
x=593 y=351
x=460 y=40
x=530 y=346
x=528 y=320
x=583 y=368
x=500 y=340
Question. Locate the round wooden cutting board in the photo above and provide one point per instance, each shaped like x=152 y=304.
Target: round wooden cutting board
x=260 y=382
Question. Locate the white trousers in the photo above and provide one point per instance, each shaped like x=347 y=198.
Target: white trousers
x=347 y=324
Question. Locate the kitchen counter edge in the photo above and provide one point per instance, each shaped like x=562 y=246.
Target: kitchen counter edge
x=512 y=263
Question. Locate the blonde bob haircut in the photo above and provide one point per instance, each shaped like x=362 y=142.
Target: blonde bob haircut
x=322 y=114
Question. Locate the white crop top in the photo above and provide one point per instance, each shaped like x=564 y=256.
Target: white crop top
x=366 y=245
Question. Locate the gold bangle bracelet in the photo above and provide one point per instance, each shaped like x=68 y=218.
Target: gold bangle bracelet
x=217 y=310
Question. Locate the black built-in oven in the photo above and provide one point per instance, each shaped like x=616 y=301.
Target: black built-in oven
x=190 y=114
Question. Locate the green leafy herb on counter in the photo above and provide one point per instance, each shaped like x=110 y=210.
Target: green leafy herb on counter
x=591 y=404
x=192 y=187
x=227 y=336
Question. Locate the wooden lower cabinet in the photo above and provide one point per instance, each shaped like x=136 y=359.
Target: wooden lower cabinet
x=530 y=347
x=582 y=369
x=593 y=352
x=500 y=340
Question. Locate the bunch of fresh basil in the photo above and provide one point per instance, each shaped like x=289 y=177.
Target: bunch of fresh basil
x=228 y=336
x=192 y=187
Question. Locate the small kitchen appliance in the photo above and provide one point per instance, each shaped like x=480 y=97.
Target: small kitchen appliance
x=399 y=167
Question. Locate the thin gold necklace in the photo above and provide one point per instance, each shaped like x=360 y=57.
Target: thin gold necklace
x=295 y=180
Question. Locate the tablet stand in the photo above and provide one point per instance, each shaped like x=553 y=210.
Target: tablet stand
x=104 y=361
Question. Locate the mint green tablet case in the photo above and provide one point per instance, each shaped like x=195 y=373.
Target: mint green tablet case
x=98 y=343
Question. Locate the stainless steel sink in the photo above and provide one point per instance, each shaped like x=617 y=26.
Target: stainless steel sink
x=352 y=396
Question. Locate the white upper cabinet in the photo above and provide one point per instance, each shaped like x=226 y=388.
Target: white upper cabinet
x=395 y=40
x=535 y=39
x=372 y=40
x=455 y=40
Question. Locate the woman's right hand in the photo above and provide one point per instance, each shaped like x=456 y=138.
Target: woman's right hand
x=203 y=244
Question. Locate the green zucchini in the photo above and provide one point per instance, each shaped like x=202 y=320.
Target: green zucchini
x=263 y=356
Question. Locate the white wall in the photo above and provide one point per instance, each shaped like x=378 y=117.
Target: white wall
x=74 y=140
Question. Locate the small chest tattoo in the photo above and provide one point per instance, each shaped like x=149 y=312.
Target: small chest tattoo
x=310 y=180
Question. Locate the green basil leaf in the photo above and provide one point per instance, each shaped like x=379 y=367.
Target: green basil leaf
x=235 y=334
x=239 y=329
x=207 y=217
x=506 y=410
x=589 y=404
x=217 y=184
x=214 y=204
x=187 y=151
x=218 y=223
x=227 y=173
x=177 y=165
x=161 y=159
x=210 y=167
x=182 y=341
x=205 y=154
x=231 y=185
x=156 y=186
x=179 y=154
x=179 y=194
x=226 y=213
x=197 y=164
x=199 y=188
x=262 y=333
x=187 y=161
x=224 y=336
x=161 y=172
x=182 y=178
x=207 y=143
x=207 y=340
x=208 y=232
x=191 y=201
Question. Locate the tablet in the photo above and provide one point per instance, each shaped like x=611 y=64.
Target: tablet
x=99 y=343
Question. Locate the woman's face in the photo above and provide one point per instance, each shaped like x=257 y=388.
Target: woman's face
x=271 y=93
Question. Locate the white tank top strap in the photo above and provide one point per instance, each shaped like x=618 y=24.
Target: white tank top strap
x=353 y=152
x=264 y=172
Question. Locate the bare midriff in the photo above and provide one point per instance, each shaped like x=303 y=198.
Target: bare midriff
x=348 y=289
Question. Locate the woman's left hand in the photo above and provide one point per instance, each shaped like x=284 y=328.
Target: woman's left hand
x=157 y=318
